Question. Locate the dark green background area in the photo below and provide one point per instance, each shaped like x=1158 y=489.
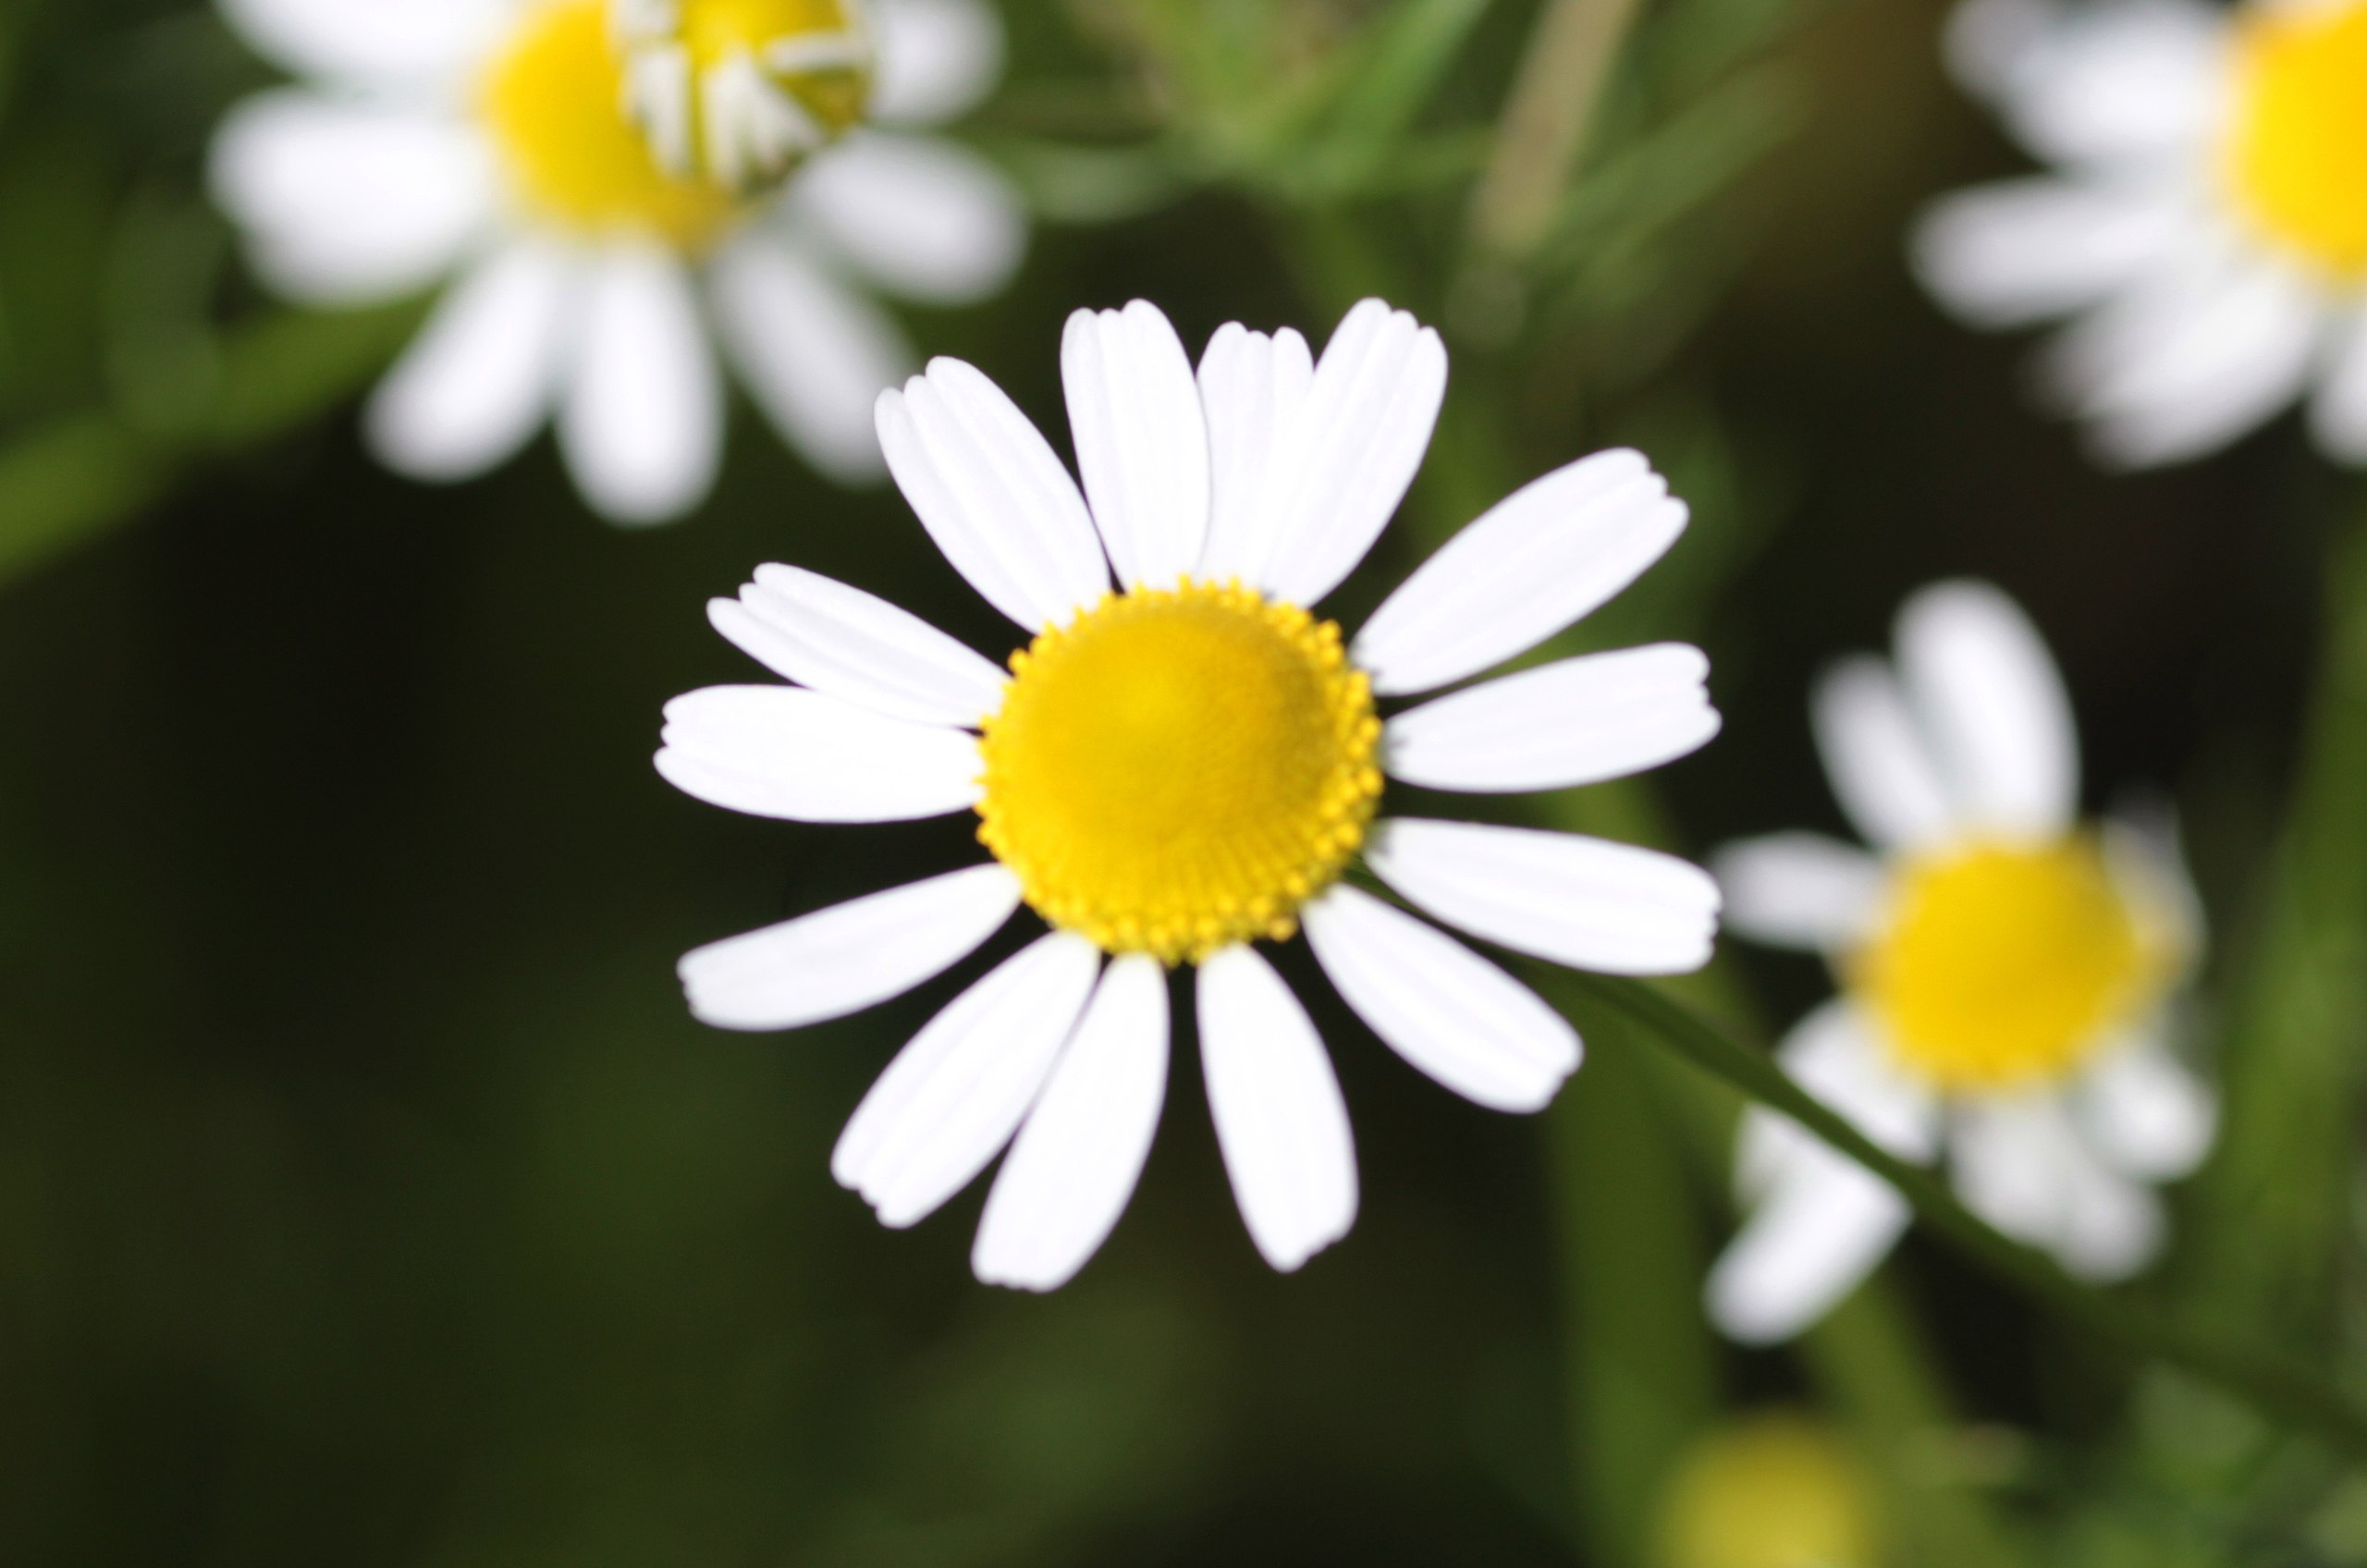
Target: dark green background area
x=368 y=1197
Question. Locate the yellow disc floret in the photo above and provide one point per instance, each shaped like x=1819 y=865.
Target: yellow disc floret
x=741 y=92
x=1178 y=770
x=1998 y=965
x=553 y=100
x=1770 y=1491
x=2297 y=152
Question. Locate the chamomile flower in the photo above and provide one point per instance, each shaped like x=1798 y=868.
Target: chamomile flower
x=2006 y=974
x=495 y=143
x=1189 y=762
x=2207 y=224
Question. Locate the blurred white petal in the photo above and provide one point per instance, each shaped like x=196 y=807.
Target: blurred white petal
x=1361 y=439
x=2338 y=413
x=1280 y=1118
x=2022 y=1165
x=954 y=1098
x=2025 y=250
x=1821 y=1227
x=937 y=60
x=1254 y=390
x=858 y=648
x=1994 y=706
x=1586 y=902
x=1440 y=1006
x=1580 y=721
x=346 y=203
x=775 y=750
x=816 y=355
x=642 y=423
x=2121 y=81
x=988 y=489
x=371 y=41
x=1077 y=1157
x=1880 y=766
x=1799 y=891
x=2150 y=1117
x=924 y=219
x=1552 y=552
x=1142 y=442
x=482 y=374
x=855 y=955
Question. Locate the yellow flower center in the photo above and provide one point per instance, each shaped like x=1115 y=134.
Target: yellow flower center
x=2299 y=151
x=555 y=102
x=742 y=91
x=1998 y=965
x=1178 y=770
x=1771 y=1492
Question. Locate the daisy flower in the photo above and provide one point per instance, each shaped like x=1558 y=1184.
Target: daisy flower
x=2006 y=974
x=2207 y=224
x=518 y=148
x=1189 y=762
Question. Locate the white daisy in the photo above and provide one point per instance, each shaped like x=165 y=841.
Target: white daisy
x=2208 y=223
x=488 y=141
x=1190 y=763
x=2006 y=976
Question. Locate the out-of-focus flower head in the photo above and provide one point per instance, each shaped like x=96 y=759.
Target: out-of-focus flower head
x=1191 y=763
x=596 y=258
x=1771 y=1490
x=2206 y=221
x=2007 y=975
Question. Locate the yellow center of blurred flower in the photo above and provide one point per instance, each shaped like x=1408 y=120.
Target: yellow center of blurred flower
x=1998 y=965
x=1775 y=1492
x=1178 y=770
x=741 y=92
x=555 y=102
x=2299 y=154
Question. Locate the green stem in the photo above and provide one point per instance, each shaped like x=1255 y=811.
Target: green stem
x=2284 y=1392
x=1543 y=130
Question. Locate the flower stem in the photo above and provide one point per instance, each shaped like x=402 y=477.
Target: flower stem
x=1545 y=122
x=2288 y=1394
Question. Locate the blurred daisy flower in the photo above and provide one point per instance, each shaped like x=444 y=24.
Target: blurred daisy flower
x=1189 y=764
x=2208 y=222
x=565 y=164
x=2006 y=976
x=1769 y=1490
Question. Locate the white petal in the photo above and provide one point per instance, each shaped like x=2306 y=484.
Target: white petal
x=1552 y=552
x=1821 y=1230
x=1142 y=443
x=858 y=648
x=1280 y=1118
x=2134 y=79
x=937 y=60
x=356 y=40
x=842 y=960
x=642 y=426
x=775 y=750
x=2338 y=413
x=1254 y=390
x=1075 y=1162
x=1799 y=891
x=2022 y=1166
x=347 y=202
x=814 y=354
x=1583 y=720
x=2149 y=1115
x=989 y=491
x=1822 y=1221
x=1361 y=439
x=2189 y=359
x=1440 y=1006
x=2024 y=249
x=484 y=372
x=924 y=219
x=1994 y=706
x=1585 y=902
x=951 y=1099
x=1882 y=767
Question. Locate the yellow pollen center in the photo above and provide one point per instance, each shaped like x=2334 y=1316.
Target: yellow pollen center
x=1178 y=770
x=2297 y=154
x=1996 y=966
x=555 y=102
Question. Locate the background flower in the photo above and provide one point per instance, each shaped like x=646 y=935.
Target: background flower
x=487 y=141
